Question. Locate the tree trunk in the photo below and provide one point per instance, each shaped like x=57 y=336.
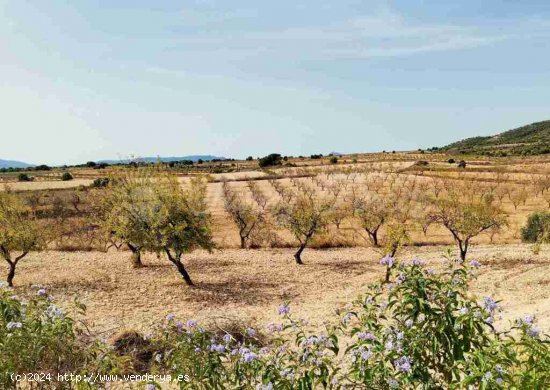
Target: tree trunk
x=374 y=237
x=136 y=256
x=181 y=268
x=11 y=273
x=298 y=255
x=463 y=246
x=183 y=272
x=243 y=242
x=388 y=274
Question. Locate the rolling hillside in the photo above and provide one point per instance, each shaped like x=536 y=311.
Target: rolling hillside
x=13 y=164
x=526 y=140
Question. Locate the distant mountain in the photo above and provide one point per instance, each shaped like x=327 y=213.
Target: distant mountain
x=193 y=158
x=525 y=141
x=14 y=164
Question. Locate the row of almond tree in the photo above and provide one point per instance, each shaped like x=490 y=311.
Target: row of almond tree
x=149 y=210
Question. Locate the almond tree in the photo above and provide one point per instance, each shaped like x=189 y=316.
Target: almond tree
x=372 y=214
x=184 y=223
x=304 y=217
x=466 y=218
x=129 y=211
x=249 y=220
x=20 y=232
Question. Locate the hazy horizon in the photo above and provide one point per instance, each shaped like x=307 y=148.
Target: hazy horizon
x=83 y=81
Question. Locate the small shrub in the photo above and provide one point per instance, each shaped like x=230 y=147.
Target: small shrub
x=537 y=228
x=333 y=160
x=37 y=337
x=24 y=177
x=451 y=161
x=66 y=176
x=462 y=164
x=270 y=160
x=101 y=182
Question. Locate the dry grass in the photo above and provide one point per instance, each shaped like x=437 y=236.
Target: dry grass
x=247 y=285
x=46 y=184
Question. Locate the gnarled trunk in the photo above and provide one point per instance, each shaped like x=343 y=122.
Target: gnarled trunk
x=136 y=256
x=11 y=273
x=180 y=267
x=298 y=255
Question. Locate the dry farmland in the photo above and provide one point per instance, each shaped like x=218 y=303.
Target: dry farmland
x=246 y=285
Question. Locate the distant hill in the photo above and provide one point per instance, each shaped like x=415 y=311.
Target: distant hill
x=14 y=164
x=524 y=141
x=193 y=158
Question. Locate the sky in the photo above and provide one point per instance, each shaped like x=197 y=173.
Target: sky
x=91 y=80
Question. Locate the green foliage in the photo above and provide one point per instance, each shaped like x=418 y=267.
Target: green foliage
x=465 y=217
x=528 y=140
x=304 y=216
x=101 y=182
x=20 y=232
x=149 y=211
x=537 y=228
x=333 y=160
x=66 y=176
x=422 y=331
x=38 y=339
x=24 y=177
x=270 y=160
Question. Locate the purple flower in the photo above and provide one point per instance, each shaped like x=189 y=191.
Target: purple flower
x=260 y=386
x=393 y=384
x=249 y=357
x=533 y=332
x=41 y=292
x=179 y=325
x=198 y=350
x=409 y=323
x=499 y=381
x=283 y=309
x=250 y=332
x=403 y=364
x=487 y=376
x=191 y=323
x=150 y=387
x=387 y=261
x=347 y=317
x=463 y=311
x=366 y=355
x=227 y=337
x=366 y=336
x=417 y=262
x=217 y=348
x=475 y=264
x=489 y=304
x=170 y=317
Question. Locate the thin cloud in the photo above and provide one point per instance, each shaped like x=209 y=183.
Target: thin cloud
x=384 y=34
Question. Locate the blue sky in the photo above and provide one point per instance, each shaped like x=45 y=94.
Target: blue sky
x=88 y=80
